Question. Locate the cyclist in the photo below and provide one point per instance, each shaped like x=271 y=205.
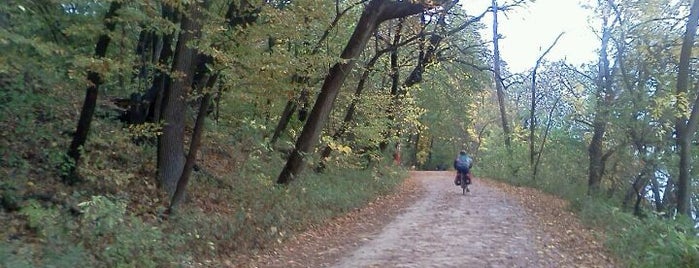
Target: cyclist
x=463 y=164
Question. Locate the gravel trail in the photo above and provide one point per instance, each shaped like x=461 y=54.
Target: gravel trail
x=484 y=228
x=428 y=222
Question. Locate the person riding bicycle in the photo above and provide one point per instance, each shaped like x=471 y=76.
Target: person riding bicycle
x=463 y=164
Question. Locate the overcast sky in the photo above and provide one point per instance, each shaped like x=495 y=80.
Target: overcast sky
x=528 y=31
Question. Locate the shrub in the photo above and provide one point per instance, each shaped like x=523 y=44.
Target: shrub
x=114 y=238
x=120 y=240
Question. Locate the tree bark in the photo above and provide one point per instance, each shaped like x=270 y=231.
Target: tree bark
x=283 y=121
x=179 y=194
x=91 y=92
x=349 y=114
x=161 y=80
x=424 y=59
x=498 y=79
x=171 y=156
x=396 y=92
x=603 y=101
x=686 y=127
x=374 y=13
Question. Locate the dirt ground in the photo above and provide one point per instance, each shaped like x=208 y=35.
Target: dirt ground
x=429 y=223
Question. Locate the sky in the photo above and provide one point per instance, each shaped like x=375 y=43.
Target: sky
x=528 y=31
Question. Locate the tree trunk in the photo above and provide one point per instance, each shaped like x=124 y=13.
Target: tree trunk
x=396 y=93
x=549 y=121
x=424 y=59
x=532 y=112
x=603 y=98
x=91 y=92
x=349 y=114
x=291 y=105
x=321 y=110
x=415 y=147
x=659 y=206
x=596 y=165
x=686 y=127
x=374 y=13
x=179 y=194
x=670 y=197
x=161 y=80
x=171 y=156
x=498 y=79
x=283 y=121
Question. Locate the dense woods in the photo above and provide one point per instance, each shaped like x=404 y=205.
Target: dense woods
x=133 y=128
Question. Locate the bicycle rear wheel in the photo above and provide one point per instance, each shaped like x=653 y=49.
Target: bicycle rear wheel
x=464 y=186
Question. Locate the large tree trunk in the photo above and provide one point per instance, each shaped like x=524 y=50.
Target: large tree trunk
x=498 y=79
x=91 y=92
x=291 y=105
x=686 y=127
x=179 y=194
x=171 y=156
x=603 y=99
x=321 y=110
x=374 y=13
x=424 y=59
x=349 y=114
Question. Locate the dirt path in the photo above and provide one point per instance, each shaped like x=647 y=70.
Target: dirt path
x=440 y=227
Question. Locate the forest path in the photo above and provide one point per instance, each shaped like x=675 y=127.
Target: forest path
x=431 y=224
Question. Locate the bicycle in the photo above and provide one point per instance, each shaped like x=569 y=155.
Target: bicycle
x=465 y=181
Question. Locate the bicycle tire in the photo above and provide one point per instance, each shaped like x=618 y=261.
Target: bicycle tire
x=464 y=186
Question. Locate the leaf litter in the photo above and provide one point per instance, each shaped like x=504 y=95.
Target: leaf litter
x=417 y=226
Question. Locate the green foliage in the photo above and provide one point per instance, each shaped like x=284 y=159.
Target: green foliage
x=53 y=226
x=262 y=213
x=652 y=241
x=42 y=220
x=114 y=238
x=14 y=254
x=120 y=240
x=22 y=107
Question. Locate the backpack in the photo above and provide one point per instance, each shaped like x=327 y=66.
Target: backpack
x=463 y=163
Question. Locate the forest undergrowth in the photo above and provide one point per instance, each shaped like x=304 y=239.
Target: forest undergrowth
x=114 y=217
x=647 y=240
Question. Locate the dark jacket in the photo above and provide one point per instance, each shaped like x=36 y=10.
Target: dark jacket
x=463 y=163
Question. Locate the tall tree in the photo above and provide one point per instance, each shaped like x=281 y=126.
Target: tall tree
x=604 y=96
x=90 y=102
x=686 y=122
x=304 y=81
x=498 y=78
x=171 y=155
x=197 y=132
x=375 y=12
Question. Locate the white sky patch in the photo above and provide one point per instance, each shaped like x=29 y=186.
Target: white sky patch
x=527 y=31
